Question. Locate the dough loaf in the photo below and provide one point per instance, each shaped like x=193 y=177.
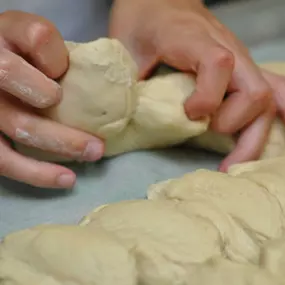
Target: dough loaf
x=102 y=96
x=203 y=228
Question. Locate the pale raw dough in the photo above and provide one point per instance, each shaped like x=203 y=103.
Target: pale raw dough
x=98 y=89
x=102 y=96
x=65 y=255
x=203 y=228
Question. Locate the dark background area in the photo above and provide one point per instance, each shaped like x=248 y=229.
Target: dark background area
x=215 y=2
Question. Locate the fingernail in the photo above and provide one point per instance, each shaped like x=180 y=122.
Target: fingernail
x=66 y=180
x=196 y=117
x=189 y=112
x=193 y=115
x=93 y=151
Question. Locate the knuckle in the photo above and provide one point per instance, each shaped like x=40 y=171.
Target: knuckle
x=6 y=63
x=221 y=125
x=223 y=57
x=40 y=33
x=210 y=106
x=166 y=49
x=19 y=127
x=261 y=94
x=222 y=128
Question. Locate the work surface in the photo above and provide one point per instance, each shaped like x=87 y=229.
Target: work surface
x=126 y=176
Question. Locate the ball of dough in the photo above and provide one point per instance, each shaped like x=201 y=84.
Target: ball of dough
x=98 y=94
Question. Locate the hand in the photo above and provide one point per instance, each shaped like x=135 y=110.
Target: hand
x=186 y=36
x=277 y=83
x=32 y=54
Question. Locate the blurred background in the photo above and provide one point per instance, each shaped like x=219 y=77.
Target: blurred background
x=260 y=24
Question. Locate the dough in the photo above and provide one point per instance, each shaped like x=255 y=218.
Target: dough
x=253 y=205
x=221 y=271
x=205 y=227
x=102 y=96
x=65 y=255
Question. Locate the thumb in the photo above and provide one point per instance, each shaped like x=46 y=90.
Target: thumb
x=144 y=56
x=146 y=64
x=140 y=48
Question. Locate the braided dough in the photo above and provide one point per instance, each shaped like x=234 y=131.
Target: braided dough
x=203 y=228
x=101 y=95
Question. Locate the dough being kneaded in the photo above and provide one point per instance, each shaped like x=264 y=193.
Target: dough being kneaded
x=102 y=96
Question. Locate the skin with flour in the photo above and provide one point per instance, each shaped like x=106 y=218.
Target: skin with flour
x=105 y=99
x=32 y=57
x=172 y=32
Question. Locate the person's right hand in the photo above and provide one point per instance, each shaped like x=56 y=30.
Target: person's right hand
x=185 y=35
x=32 y=55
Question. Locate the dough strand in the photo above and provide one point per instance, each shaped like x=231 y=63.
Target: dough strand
x=202 y=228
x=102 y=96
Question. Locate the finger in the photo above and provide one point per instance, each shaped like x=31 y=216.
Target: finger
x=25 y=82
x=143 y=54
x=213 y=76
x=250 y=97
x=21 y=125
x=238 y=110
x=250 y=144
x=146 y=61
x=37 y=39
x=139 y=44
x=278 y=84
x=146 y=65
x=212 y=64
x=39 y=174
